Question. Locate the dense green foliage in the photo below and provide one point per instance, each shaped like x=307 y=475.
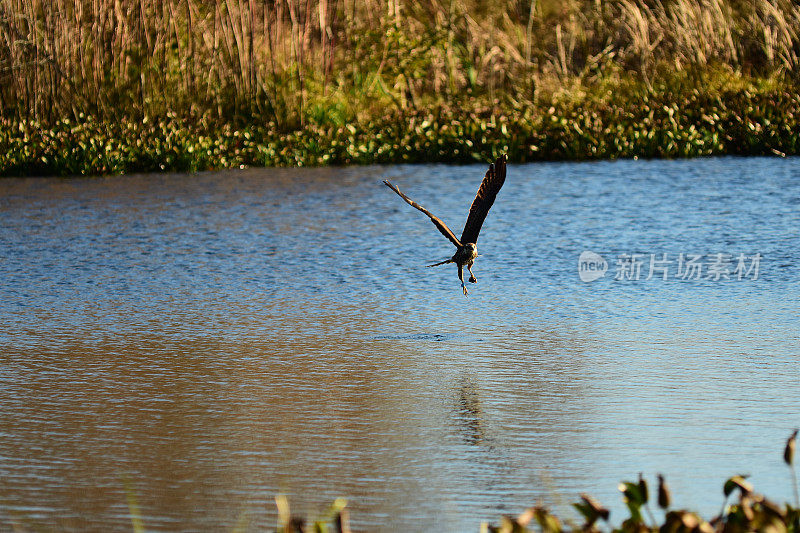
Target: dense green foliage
x=749 y=121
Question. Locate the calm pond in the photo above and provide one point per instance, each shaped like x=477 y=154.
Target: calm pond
x=213 y=340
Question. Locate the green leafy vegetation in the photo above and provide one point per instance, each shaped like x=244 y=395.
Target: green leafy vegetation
x=750 y=512
x=743 y=122
x=743 y=510
x=138 y=85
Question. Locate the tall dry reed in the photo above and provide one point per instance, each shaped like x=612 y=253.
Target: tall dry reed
x=285 y=60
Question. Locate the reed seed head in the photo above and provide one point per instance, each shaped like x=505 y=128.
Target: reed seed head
x=663 y=493
x=788 y=452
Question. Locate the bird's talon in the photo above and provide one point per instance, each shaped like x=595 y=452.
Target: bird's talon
x=473 y=279
x=464 y=288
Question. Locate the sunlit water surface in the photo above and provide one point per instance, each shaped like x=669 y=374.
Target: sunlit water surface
x=213 y=340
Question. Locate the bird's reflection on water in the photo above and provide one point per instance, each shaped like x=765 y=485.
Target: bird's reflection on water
x=470 y=415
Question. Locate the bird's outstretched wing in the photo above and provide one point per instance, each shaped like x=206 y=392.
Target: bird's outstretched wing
x=494 y=179
x=436 y=220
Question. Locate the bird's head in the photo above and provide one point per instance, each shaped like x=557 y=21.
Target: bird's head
x=472 y=248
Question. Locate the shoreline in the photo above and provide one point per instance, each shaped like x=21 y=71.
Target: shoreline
x=685 y=124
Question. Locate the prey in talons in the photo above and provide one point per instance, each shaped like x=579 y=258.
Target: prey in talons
x=466 y=247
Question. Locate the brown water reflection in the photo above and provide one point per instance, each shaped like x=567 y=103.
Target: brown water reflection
x=208 y=429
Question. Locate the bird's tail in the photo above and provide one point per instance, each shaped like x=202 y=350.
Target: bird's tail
x=440 y=263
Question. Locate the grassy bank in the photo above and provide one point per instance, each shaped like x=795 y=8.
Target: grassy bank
x=752 y=120
x=169 y=84
x=747 y=121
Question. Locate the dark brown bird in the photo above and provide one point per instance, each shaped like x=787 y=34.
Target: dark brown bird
x=467 y=248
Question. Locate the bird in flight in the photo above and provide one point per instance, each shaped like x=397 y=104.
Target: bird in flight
x=466 y=247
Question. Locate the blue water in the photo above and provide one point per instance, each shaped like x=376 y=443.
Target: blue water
x=213 y=340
